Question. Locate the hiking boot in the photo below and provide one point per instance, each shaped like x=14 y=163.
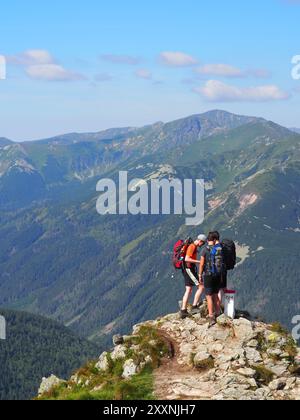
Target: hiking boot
x=184 y=314
x=212 y=322
x=195 y=310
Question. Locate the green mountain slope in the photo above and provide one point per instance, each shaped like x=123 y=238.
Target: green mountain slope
x=100 y=275
x=34 y=348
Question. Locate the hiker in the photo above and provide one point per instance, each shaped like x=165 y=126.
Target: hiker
x=190 y=274
x=210 y=274
x=223 y=285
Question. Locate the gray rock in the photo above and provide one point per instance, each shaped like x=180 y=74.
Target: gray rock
x=278 y=385
x=49 y=383
x=290 y=383
x=253 y=344
x=273 y=352
x=103 y=363
x=243 y=325
x=202 y=360
x=253 y=355
x=217 y=348
x=252 y=382
x=279 y=370
x=224 y=321
x=130 y=369
x=249 y=373
x=262 y=393
x=118 y=340
x=119 y=353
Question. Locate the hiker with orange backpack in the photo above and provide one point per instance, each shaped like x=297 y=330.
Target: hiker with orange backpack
x=186 y=259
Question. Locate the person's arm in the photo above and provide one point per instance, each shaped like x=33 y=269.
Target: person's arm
x=201 y=269
x=191 y=260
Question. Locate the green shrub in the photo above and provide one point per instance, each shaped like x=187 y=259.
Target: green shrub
x=263 y=375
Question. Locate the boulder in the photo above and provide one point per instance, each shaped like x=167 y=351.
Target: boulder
x=278 y=385
x=203 y=360
x=119 y=353
x=253 y=355
x=103 y=362
x=118 y=340
x=48 y=383
x=243 y=327
x=130 y=369
x=273 y=352
x=280 y=369
x=249 y=373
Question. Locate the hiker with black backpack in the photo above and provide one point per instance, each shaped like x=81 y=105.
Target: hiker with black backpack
x=229 y=255
x=186 y=258
x=217 y=258
x=212 y=267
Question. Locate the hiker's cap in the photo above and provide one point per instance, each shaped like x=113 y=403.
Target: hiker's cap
x=202 y=238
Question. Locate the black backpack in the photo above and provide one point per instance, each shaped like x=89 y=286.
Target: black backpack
x=229 y=251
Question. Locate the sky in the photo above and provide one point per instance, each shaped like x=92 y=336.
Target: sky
x=84 y=66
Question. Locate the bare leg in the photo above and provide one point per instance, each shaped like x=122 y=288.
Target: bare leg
x=198 y=295
x=186 y=297
x=217 y=304
x=221 y=296
x=210 y=304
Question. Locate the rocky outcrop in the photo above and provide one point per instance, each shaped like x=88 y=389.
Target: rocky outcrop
x=48 y=384
x=239 y=359
x=235 y=360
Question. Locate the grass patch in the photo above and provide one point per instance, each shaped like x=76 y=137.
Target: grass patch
x=262 y=343
x=140 y=387
x=110 y=385
x=277 y=328
x=152 y=344
x=263 y=375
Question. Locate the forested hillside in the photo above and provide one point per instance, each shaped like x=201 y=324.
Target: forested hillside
x=36 y=347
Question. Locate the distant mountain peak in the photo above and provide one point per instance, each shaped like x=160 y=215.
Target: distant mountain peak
x=5 y=142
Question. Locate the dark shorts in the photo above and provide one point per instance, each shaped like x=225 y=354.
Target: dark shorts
x=191 y=277
x=212 y=284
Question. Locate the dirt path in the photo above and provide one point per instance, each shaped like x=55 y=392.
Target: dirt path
x=173 y=381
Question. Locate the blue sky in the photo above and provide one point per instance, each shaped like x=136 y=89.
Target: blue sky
x=86 y=66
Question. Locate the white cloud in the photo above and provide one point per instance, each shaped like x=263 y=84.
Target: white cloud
x=41 y=65
x=52 y=73
x=226 y=70
x=143 y=74
x=31 y=57
x=216 y=91
x=223 y=70
x=177 y=59
x=121 y=59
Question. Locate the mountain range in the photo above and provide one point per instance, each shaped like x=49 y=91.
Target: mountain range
x=99 y=275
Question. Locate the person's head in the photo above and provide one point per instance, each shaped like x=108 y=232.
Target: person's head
x=217 y=235
x=213 y=237
x=201 y=240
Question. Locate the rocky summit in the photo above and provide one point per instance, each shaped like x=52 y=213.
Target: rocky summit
x=171 y=359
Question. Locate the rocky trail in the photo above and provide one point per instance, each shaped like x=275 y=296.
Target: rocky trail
x=241 y=359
